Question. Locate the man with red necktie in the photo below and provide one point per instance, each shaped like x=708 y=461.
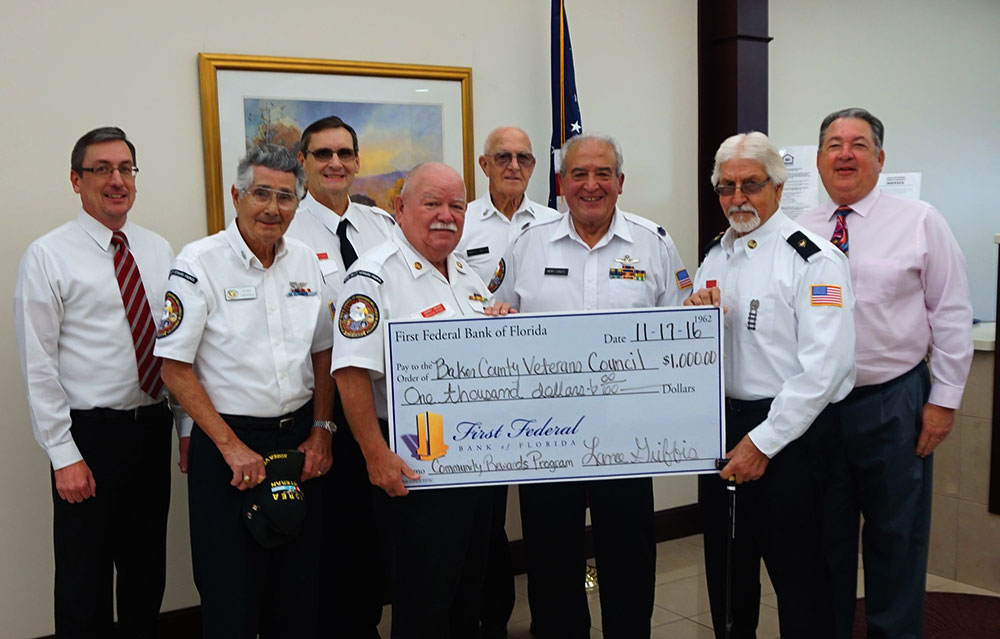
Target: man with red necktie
x=85 y=337
x=913 y=306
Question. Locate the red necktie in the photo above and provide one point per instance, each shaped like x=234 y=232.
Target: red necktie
x=839 y=238
x=140 y=320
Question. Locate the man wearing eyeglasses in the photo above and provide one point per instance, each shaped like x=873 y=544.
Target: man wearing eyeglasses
x=789 y=352
x=245 y=338
x=339 y=230
x=85 y=332
x=491 y=223
x=913 y=305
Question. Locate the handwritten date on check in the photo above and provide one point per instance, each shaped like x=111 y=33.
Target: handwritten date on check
x=556 y=397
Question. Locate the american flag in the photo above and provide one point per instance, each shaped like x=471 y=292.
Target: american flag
x=566 y=120
x=826 y=295
x=683 y=279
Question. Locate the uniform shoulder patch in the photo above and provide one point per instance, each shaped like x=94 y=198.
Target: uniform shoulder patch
x=498 y=276
x=825 y=295
x=358 y=316
x=363 y=273
x=173 y=314
x=805 y=247
x=182 y=274
x=683 y=279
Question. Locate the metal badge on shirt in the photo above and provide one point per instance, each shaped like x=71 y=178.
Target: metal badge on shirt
x=300 y=289
x=627 y=270
x=752 y=316
x=241 y=293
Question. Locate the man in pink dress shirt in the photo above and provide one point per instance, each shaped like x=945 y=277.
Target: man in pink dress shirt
x=913 y=304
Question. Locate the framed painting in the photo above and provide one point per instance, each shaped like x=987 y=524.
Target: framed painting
x=404 y=114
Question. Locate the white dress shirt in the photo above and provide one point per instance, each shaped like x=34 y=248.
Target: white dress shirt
x=316 y=225
x=912 y=286
x=249 y=331
x=786 y=335
x=394 y=281
x=73 y=338
x=549 y=268
x=488 y=232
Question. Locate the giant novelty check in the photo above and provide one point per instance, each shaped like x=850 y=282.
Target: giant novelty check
x=556 y=397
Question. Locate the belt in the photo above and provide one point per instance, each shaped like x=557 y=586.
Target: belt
x=282 y=422
x=133 y=414
x=746 y=405
x=871 y=389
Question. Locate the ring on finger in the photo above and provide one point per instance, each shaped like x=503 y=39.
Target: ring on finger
x=246 y=478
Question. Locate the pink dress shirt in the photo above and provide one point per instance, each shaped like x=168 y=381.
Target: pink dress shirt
x=912 y=291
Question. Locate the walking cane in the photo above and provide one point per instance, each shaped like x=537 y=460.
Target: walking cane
x=730 y=538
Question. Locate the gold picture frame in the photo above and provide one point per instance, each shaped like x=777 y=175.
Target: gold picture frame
x=305 y=80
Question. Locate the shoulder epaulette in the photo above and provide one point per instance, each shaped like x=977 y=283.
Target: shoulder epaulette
x=805 y=247
x=711 y=244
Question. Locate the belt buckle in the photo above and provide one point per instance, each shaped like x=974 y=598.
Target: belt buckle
x=285 y=423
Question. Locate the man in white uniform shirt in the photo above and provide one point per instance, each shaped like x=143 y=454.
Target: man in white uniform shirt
x=494 y=220
x=96 y=401
x=595 y=257
x=913 y=305
x=437 y=538
x=788 y=353
x=339 y=230
x=245 y=336
x=491 y=223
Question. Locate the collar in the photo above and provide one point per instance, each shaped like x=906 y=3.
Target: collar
x=243 y=253
x=327 y=216
x=491 y=209
x=565 y=228
x=752 y=243
x=420 y=265
x=100 y=233
x=862 y=207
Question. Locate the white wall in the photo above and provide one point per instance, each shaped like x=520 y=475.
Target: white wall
x=927 y=69
x=69 y=67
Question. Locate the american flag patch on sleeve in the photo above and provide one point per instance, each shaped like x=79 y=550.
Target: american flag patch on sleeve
x=825 y=295
x=683 y=279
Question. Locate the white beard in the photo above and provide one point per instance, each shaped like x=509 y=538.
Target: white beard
x=743 y=227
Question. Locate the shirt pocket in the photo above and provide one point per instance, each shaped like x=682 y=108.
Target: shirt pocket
x=878 y=281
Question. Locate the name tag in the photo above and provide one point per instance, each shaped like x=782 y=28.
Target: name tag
x=551 y=270
x=482 y=250
x=242 y=293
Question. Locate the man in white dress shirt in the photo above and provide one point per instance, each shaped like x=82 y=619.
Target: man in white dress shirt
x=245 y=337
x=438 y=538
x=788 y=353
x=95 y=397
x=339 y=230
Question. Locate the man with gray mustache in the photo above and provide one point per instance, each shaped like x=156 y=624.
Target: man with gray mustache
x=789 y=352
x=436 y=539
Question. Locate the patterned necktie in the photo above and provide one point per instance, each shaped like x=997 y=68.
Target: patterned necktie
x=839 y=238
x=140 y=320
x=347 y=252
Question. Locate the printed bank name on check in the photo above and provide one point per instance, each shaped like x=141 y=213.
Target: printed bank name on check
x=556 y=397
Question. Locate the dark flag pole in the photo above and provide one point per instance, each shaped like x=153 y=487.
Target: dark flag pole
x=566 y=121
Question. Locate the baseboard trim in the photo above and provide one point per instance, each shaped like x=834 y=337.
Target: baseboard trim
x=672 y=523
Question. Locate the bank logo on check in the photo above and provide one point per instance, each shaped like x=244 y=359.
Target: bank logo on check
x=430 y=436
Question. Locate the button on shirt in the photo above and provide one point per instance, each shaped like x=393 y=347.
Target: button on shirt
x=550 y=268
x=786 y=336
x=488 y=232
x=73 y=338
x=316 y=225
x=395 y=282
x=912 y=290
x=248 y=330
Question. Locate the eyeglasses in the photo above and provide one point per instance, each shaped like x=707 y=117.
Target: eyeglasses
x=325 y=155
x=748 y=188
x=106 y=171
x=262 y=197
x=503 y=158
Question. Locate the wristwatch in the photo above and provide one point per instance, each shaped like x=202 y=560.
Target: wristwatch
x=325 y=424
